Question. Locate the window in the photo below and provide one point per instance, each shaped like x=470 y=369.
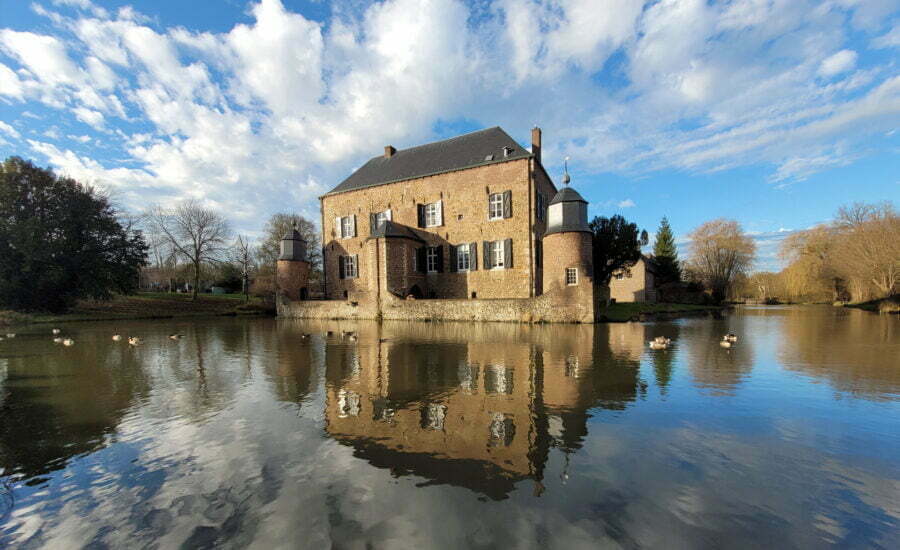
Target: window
x=346 y=227
x=432 y=215
x=463 y=258
x=433 y=416
x=348 y=403
x=495 y=206
x=431 y=259
x=498 y=379
x=571 y=276
x=377 y=219
x=502 y=430
x=497 y=254
x=349 y=269
x=620 y=276
x=539 y=207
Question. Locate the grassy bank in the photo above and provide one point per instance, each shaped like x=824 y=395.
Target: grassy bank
x=146 y=305
x=882 y=305
x=638 y=311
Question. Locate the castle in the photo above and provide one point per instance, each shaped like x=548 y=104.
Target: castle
x=468 y=228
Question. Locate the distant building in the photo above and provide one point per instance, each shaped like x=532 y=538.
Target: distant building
x=634 y=284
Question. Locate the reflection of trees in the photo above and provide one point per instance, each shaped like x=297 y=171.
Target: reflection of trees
x=712 y=366
x=61 y=403
x=849 y=348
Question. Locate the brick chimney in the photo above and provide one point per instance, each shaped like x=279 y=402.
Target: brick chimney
x=536 y=143
x=389 y=151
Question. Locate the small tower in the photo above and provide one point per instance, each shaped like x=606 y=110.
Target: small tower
x=293 y=268
x=568 y=254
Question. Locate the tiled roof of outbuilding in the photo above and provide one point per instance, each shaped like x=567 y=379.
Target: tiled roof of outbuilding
x=392 y=229
x=465 y=151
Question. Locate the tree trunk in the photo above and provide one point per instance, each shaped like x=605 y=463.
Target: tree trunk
x=196 y=281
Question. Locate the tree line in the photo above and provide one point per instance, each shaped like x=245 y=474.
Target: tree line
x=853 y=258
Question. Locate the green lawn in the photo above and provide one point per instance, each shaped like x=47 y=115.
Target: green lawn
x=626 y=311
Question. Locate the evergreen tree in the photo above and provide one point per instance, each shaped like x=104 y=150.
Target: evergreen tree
x=666 y=254
x=60 y=241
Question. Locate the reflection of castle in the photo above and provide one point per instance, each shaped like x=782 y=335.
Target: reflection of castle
x=481 y=414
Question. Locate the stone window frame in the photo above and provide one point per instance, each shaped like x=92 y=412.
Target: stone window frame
x=433 y=214
x=571 y=276
x=495 y=206
x=431 y=259
x=464 y=257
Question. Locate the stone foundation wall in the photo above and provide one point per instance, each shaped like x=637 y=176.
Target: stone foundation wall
x=549 y=308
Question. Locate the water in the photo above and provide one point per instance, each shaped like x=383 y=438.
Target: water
x=455 y=435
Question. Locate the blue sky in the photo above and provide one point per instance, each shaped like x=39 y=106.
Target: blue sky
x=771 y=112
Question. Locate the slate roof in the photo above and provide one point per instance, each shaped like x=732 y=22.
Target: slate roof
x=567 y=194
x=393 y=229
x=465 y=151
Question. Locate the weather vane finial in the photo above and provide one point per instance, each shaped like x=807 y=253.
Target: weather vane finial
x=566 y=178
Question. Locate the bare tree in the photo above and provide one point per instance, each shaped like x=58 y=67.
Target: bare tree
x=197 y=234
x=867 y=250
x=719 y=251
x=243 y=255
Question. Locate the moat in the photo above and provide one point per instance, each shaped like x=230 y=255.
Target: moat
x=273 y=433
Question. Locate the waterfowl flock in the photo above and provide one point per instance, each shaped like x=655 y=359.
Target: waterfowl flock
x=662 y=342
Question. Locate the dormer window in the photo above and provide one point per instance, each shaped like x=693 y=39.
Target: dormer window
x=507 y=151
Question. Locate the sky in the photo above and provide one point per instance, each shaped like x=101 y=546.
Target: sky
x=771 y=112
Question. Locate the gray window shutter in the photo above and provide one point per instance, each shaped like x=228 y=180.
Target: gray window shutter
x=340 y=267
x=507 y=204
x=473 y=256
x=337 y=227
x=453 y=258
x=356 y=265
x=372 y=223
x=507 y=254
x=388 y=212
x=486 y=250
x=440 y=212
x=440 y=258
x=420 y=259
x=421 y=211
x=353 y=225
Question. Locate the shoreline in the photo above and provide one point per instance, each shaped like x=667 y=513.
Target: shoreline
x=150 y=306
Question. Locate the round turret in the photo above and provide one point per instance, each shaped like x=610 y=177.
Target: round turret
x=567 y=212
x=292 y=273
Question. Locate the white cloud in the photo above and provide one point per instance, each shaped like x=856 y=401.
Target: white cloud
x=838 y=63
x=627 y=203
x=8 y=130
x=890 y=39
x=89 y=117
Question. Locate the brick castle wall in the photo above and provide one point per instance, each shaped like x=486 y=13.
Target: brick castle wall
x=465 y=215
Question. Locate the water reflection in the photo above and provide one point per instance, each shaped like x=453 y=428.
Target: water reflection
x=477 y=409
x=447 y=435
